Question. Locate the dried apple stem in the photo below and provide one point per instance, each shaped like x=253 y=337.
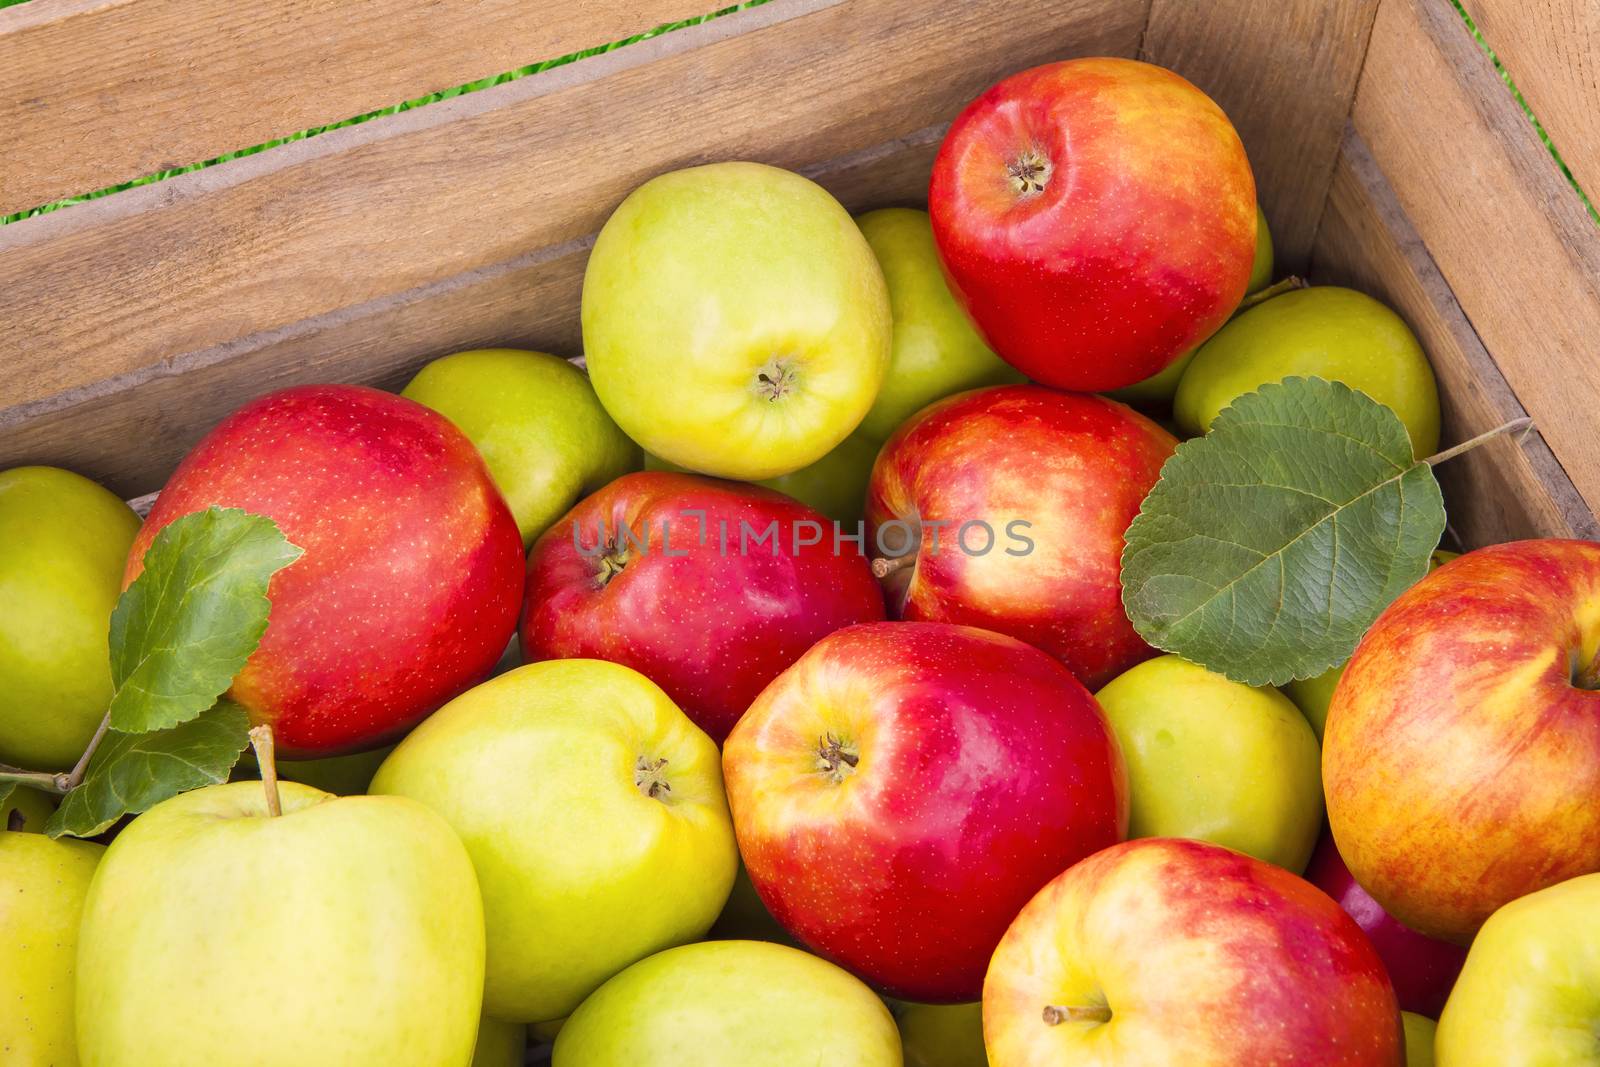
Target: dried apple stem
x=261 y=741
x=1278 y=288
x=1523 y=425
x=1056 y=1014
x=882 y=568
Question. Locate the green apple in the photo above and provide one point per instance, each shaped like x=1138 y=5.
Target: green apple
x=500 y=1044
x=63 y=543
x=1530 y=991
x=593 y=810
x=1261 y=268
x=534 y=416
x=1212 y=759
x=42 y=886
x=735 y=321
x=1419 y=1039
x=343 y=931
x=1325 y=332
x=941 y=1035
x=26 y=810
x=936 y=349
x=835 y=485
x=730 y=1004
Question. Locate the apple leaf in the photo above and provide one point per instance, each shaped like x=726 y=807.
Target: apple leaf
x=184 y=628
x=1270 y=545
x=130 y=773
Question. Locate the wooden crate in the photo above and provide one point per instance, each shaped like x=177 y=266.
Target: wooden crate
x=1389 y=155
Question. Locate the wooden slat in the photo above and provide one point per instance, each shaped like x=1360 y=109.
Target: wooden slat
x=1506 y=489
x=356 y=255
x=1285 y=75
x=96 y=92
x=1551 y=49
x=1507 y=232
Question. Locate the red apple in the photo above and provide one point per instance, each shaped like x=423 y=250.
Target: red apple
x=1461 y=758
x=1421 y=968
x=408 y=589
x=905 y=787
x=1097 y=219
x=686 y=585
x=1055 y=478
x=1169 y=951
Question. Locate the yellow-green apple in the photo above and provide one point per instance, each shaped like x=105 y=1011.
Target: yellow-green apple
x=500 y=1044
x=901 y=791
x=42 y=887
x=730 y=1004
x=1422 y=969
x=662 y=572
x=63 y=540
x=941 y=1035
x=1420 y=1032
x=1170 y=951
x=835 y=485
x=1212 y=759
x=1530 y=991
x=735 y=321
x=1097 y=219
x=1461 y=760
x=593 y=810
x=1325 y=332
x=936 y=350
x=1006 y=508
x=1261 y=265
x=25 y=810
x=344 y=930
x=411 y=579
x=536 y=421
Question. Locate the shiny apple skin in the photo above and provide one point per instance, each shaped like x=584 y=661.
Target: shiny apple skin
x=1422 y=969
x=408 y=588
x=711 y=629
x=984 y=769
x=1140 y=243
x=1199 y=956
x=1461 y=762
x=1076 y=467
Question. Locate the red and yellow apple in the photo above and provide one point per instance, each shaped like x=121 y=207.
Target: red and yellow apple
x=1097 y=219
x=1461 y=758
x=1171 y=951
x=412 y=574
x=904 y=788
x=1006 y=508
x=709 y=588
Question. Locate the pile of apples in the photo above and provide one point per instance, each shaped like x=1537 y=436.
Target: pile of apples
x=876 y=727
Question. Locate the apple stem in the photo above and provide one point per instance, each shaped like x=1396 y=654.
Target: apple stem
x=1523 y=425
x=882 y=568
x=75 y=776
x=1055 y=1014
x=261 y=741
x=50 y=783
x=1277 y=288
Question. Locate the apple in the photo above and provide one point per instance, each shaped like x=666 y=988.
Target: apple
x=1096 y=218
x=941 y=1035
x=42 y=887
x=1169 y=951
x=936 y=351
x=1033 y=490
x=730 y=1004
x=662 y=572
x=835 y=485
x=593 y=810
x=1461 y=760
x=25 y=810
x=412 y=574
x=735 y=321
x=1215 y=760
x=1527 y=994
x=500 y=1044
x=63 y=540
x=1421 y=968
x=1325 y=332
x=537 y=423
x=345 y=930
x=1419 y=1039
x=901 y=791
x=745 y=918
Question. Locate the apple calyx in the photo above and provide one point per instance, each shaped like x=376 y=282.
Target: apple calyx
x=836 y=757
x=1029 y=172
x=776 y=379
x=1056 y=1014
x=261 y=741
x=650 y=776
x=610 y=563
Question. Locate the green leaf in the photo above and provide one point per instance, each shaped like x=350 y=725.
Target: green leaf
x=6 y=789
x=135 y=772
x=184 y=628
x=1271 y=544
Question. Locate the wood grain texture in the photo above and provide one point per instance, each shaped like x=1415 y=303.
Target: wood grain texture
x=1551 y=49
x=1509 y=235
x=96 y=92
x=1506 y=489
x=1285 y=75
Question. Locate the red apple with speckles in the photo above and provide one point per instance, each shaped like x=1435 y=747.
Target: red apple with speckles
x=1097 y=219
x=408 y=588
x=1421 y=968
x=905 y=787
x=708 y=588
x=1055 y=478
x=1168 y=951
